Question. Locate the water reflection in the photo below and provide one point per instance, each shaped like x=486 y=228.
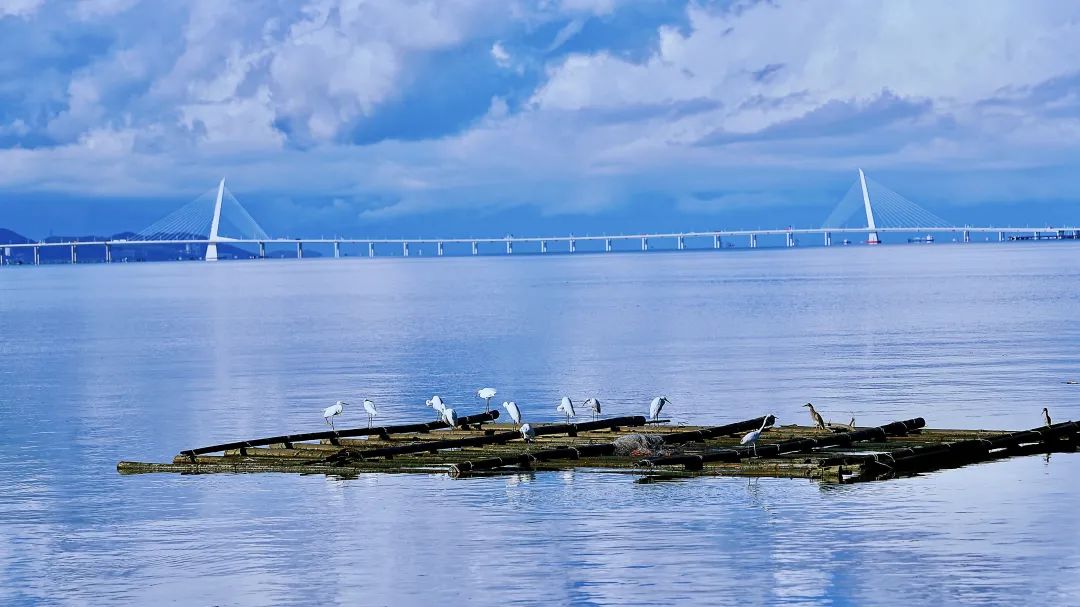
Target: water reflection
x=103 y=364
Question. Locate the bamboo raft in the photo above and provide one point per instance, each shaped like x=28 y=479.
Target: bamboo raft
x=478 y=446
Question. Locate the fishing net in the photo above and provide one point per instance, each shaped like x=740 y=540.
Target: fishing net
x=639 y=444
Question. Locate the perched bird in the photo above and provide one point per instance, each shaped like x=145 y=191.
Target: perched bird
x=566 y=407
x=814 y=415
x=371 y=411
x=656 y=406
x=752 y=437
x=1046 y=416
x=333 y=411
x=527 y=433
x=487 y=394
x=594 y=406
x=450 y=417
x=436 y=403
x=512 y=408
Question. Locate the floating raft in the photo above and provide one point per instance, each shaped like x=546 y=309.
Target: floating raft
x=478 y=446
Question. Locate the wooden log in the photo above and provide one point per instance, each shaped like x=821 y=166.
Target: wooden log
x=347 y=455
x=463 y=468
x=944 y=455
x=797 y=445
x=333 y=435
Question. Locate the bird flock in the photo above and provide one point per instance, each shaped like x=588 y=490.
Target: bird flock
x=566 y=408
x=449 y=416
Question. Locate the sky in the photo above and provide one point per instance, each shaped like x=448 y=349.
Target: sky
x=423 y=118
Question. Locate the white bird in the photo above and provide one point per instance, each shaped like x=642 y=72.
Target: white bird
x=751 y=437
x=527 y=434
x=594 y=405
x=332 y=411
x=369 y=406
x=487 y=394
x=436 y=403
x=566 y=407
x=656 y=406
x=512 y=408
x=450 y=417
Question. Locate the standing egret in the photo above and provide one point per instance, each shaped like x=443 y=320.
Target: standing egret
x=594 y=406
x=814 y=415
x=436 y=403
x=515 y=413
x=566 y=407
x=751 y=437
x=1046 y=416
x=371 y=411
x=487 y=394
x=656 y=406
x=450 y=417
x=332 y=411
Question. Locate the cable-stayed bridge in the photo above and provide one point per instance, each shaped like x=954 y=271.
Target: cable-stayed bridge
x=217 y=219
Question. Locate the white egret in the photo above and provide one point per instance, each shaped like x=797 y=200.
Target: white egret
x=450 y=417
x=369 y=406
x=512 y=408
x=436 y=403
x=814 y=415
x=594 y=406
x=752 y=437
x=566 y=407
x=487 y=394
x=656 y=406
x=527 y=434
x=332 y=411
x=1046 y=416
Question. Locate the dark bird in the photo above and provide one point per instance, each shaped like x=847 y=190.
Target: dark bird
x=1046 y=416
x=814 y=415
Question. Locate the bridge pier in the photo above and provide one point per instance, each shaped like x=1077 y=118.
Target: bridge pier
x=299 y=250
x=37 y=256
x=680 y=243
x=509 y=247
x=1001 y=236
x=753 y=241
x=439 y=249
x=371 y=249
x=573 y=245
x=607 y=245
x=475 y=248
x=716 y=244
x=262 y=250
x=789 y=239
x=405 y=249
x=74 y=255
x=337 y=250
x=967 y=236
x=644 y=244
x=543 y=246
x=828 y=239
x=108 y=253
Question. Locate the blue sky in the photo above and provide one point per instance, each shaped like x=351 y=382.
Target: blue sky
x=409 y=118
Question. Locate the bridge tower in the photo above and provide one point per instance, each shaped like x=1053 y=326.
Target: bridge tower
x=872 y=237
x=215 y=225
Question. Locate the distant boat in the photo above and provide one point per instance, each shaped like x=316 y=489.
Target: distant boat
x=928 y=239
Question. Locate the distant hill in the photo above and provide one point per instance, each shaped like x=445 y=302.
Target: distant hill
x=130 y=252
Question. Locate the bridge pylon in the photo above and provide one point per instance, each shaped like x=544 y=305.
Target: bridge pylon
x=215 y=225
x=872 y=237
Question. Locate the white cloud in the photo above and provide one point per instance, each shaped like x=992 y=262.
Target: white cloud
x=499 y=54
x=19 y=8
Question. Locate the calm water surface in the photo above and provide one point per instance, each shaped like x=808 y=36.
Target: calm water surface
x=99 y=364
